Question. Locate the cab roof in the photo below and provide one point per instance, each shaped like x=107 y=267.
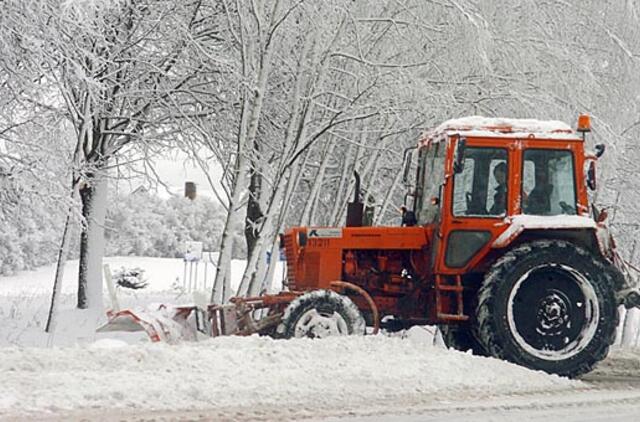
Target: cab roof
x=501 y=127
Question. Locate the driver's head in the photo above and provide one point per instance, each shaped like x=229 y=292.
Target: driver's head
x=541 y=178
x=500 y=173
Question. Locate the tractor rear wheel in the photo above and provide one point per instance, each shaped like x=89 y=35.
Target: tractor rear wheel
x=548 y=305
x=462 y=338
x=320 y=314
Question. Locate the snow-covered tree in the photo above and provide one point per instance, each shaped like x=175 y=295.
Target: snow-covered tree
x=142 y=224
x=117 y=71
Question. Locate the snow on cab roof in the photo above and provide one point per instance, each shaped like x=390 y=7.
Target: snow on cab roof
x=503 y=127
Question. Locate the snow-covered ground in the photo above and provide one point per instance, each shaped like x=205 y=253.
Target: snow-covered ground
x=25 y=298
x=114 y=376
x=253 y=376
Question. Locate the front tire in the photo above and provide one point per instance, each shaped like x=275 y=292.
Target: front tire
x=320 y=314
x=548 y=305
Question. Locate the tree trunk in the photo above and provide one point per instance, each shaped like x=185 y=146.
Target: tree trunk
x=270 y=270
x=222 y=284
x=308 y=212
x=292 y=184
x=63 y=253
x=256 y=263
x=342 y=193
x=379 y=219
x=254 y=210
x=93 y=196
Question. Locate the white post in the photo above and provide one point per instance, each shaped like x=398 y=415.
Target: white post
x=108 y=280
x=206 y=265
x=184 y=275
x=195 y=277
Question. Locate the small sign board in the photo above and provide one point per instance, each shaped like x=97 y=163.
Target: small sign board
x=193 y=251
x=332 y=233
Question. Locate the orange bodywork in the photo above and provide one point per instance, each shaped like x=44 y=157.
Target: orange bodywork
x=405 y=269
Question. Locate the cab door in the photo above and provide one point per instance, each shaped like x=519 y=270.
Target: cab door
x=476 y=200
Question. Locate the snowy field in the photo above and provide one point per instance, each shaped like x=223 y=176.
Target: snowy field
x=116 y=376
x=24 y=298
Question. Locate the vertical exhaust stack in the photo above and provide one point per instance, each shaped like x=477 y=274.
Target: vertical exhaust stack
x=355 y=209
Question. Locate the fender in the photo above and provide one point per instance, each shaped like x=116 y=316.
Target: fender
x=520 y=223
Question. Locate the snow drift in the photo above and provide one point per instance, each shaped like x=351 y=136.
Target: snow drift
x=242 y=376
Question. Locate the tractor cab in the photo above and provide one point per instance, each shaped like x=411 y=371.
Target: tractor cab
x=477 y=176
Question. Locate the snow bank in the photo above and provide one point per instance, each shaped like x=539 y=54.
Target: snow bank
x=621 y=362
x=245 y=376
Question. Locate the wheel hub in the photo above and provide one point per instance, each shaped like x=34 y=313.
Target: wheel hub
x=320 y=324
x=552 y=312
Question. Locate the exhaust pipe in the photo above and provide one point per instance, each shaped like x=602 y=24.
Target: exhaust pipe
x=355 y=209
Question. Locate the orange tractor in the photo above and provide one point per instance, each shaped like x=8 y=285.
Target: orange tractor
x=499 y=247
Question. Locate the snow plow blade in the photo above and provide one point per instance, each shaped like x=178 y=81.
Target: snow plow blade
x=170 y=324
x=243 y=316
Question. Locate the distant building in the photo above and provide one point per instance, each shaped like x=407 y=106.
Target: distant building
x=140 y=190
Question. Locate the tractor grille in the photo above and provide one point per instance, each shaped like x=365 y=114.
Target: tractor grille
x=290 y=249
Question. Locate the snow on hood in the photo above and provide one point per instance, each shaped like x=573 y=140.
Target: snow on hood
x=247 y=376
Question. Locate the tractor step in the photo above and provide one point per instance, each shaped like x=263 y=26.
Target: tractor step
x=452 y=317
x=447 y=286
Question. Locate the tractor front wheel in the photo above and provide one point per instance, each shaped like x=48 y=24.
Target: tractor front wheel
x=320 y=314
x=548 y=305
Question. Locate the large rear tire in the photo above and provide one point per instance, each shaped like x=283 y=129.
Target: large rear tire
x=320 y=314
x=548 y=305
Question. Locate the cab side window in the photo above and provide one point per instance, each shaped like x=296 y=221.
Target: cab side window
x=548 y=182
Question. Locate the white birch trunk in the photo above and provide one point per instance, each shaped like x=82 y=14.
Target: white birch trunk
x=221 y=290
x=250 y=283
x=90 y=271
x=309 y=209
x=387 y=199
x=271 y=270
x=248 y=132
